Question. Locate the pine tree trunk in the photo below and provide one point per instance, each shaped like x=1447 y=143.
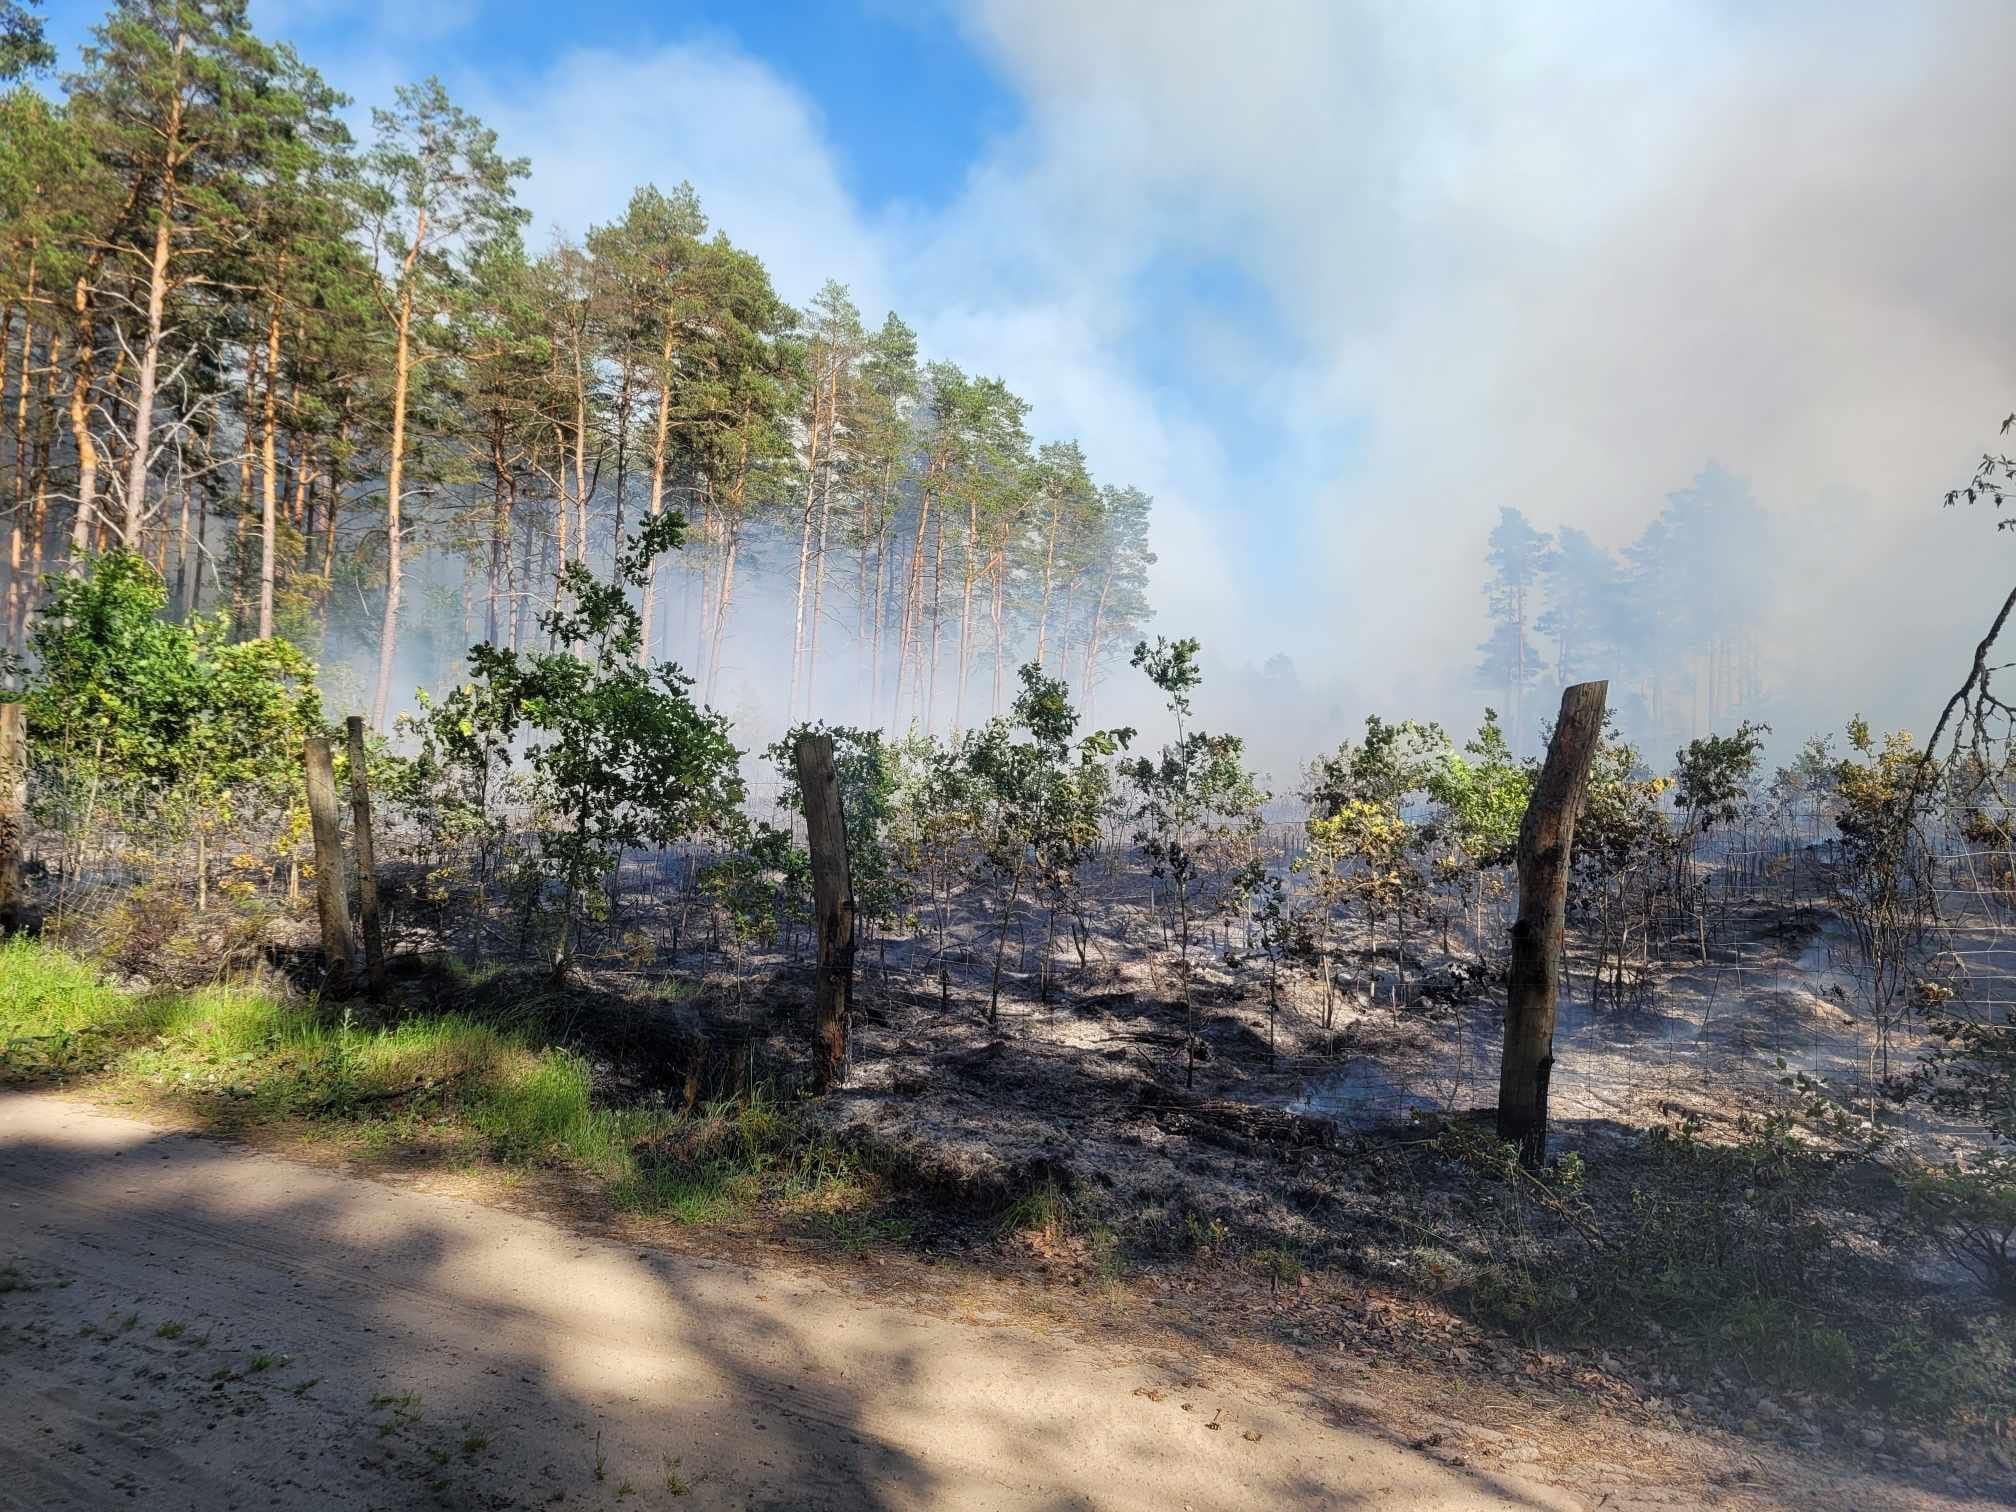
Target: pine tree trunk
x=269 y=522
x=1043 y=609
x=881 y=613
x=80 y=431
x=804 y=565
x=654 y=501
x=818 y=588
x=1092 y=636
x=624 y=391
x=150 y=350
x=965 y=613
x=182 y=563
x=913 y=601
x=395 y=479
x=1000 y=648
x=937 y=623
x=726 y=599
x=502 y=493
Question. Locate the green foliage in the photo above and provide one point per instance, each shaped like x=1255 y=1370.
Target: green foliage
x=1955 y=1371
x=756 y=883
x=1623 y=832
x=1713 y=776
x=1196 y=809
x=1390 y=766
x=615 y=752
x=1482 y=798
x=45 y=992
x=1196 y=804
x=1807 y=781
x=1037 y=801
x=866 y=768
x=23 y=48
x=1362 y=850
x=1875 y=788
x=174 y=726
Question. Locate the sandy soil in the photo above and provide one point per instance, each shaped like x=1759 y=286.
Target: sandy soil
x=191 y=1325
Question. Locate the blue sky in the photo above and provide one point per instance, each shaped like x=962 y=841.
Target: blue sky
x=1336 y=279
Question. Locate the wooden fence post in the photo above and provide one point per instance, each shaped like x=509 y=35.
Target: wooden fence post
x=367 y=856
x=1546 y=840
x=13 y=809
x=332 y=898
x=832 y=902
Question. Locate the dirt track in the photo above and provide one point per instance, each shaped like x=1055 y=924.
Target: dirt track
x=466 y=1357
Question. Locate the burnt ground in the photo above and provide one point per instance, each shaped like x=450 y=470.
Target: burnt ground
x=1306 y=1183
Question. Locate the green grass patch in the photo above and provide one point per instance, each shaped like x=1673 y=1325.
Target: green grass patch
x=247 y=1054
x=50 y=999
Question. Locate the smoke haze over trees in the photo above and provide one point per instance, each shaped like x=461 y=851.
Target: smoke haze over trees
x=327 y=387
x=1328 y=415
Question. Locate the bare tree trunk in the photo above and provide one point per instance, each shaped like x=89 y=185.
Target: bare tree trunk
x=913 y=601
x=367 y=860
x=655 y=500
x=269 y=503
x=521 y=594
x=1000 y=647
x=150 y=350
x=818 y=588
x=833 y=904
x=804 y=553
x=965 y=612
x=719 y=632
x=937 y=631
x=332 y=899
x=395 y=479
x=881 y=613
x=80 y=431
x=332 y=516
x=1049 y=560
x=17 y=590
x=624 y=393
x=1092 y=636
x=183 y=563
x=503 y=494
x=1546 y=841
x=13 y=809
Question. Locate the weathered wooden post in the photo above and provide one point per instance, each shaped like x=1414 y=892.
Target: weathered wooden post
x=13 y=809
x=1546 y=840
x=832 y=904
x=367 y=859
x=332 y=899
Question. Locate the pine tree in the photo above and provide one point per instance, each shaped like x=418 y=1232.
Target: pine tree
x=875 y=463
x=181 y=101
x=1118 y=607
x=437 y=189
x=1518 y=557
x=23 y=48
x=1583 y=588
x=834 y=341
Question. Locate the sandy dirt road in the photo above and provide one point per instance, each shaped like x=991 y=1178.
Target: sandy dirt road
x=187 y=1324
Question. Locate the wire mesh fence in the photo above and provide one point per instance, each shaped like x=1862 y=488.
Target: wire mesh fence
x=1740 y=967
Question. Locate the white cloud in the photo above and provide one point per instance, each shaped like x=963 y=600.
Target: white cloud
x=598 y=124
